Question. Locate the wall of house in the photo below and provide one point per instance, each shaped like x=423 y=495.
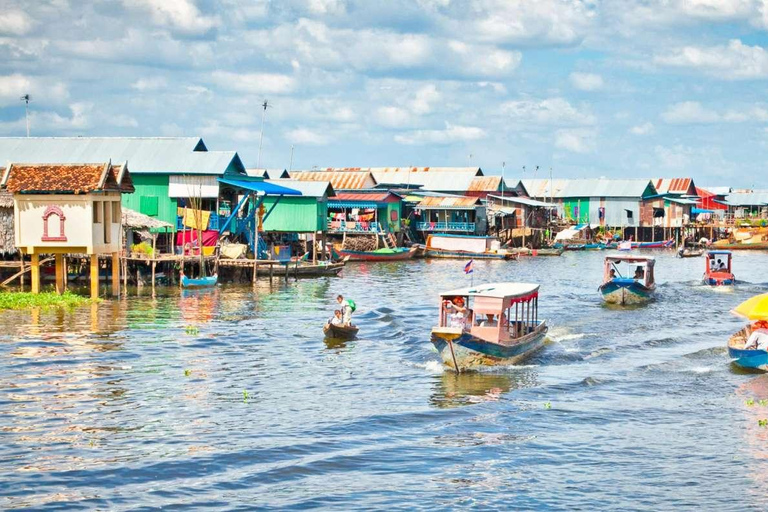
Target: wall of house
x=151 y=197
x=615 y=211
x=7 y=243
x=296 y=214
x=576 y=204
x=386 y=215
x=103 y=236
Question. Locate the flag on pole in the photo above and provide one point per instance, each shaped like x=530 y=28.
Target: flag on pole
x=468 y=267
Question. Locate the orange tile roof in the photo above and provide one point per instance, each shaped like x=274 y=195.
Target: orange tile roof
x=67 y=178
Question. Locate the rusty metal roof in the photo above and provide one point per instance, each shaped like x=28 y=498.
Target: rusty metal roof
x=378 y=197
x=66 y=178
x=433 y=203
x=346 y=180
x=485 y=184
x=672 y=185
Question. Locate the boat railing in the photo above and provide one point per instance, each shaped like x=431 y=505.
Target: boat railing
x=466 y=227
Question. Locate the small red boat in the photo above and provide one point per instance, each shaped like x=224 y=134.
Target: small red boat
x=718 y=270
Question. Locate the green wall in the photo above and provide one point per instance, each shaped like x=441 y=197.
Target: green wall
x=583 y=207
x=151 y=197
x=296 y=214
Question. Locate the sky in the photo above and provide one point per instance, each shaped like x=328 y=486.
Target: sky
x=586 y=88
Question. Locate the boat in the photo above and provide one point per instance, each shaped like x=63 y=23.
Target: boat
x=757 y=246
x=713 y=274
x=618 y=289
x=199 y=282
x=466 y=247
x=690 y=252
x=585 y=247
x=544 y=251
x=486 y=333
x=753 y=359
x=663 y=244
x=384 y=254
x=340 y=332
x=303 y=269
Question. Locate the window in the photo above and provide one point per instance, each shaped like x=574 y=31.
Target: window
x=116 y=212
x=630 y=215
x=107 y=222
x=148 y=205
x=393 y=215
x=97 y=212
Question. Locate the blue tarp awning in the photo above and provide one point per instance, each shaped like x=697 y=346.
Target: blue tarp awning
x=269 y=189
x=696 y=211
x=352 y=204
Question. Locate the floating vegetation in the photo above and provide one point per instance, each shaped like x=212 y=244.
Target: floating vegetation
x=24 y=300
x=763 y=402
x=192 y=330
x=750 y=402
x=547 y=405
x=763 y=422
x=187 y=372
x=245 y=396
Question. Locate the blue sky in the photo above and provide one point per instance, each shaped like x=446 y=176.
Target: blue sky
x=588 y=88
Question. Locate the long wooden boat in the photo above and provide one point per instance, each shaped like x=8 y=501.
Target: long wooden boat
x=753 y=359
x=545 y=251
x=484 y=333
x=617 y=289
x=662 y=244
x=466 y=247
x=690 y=252
x=300 y=269
x=713 y=274
x=340 y=332
x=585 y=247
x=759 y=246
x=189 y=282
x=399 y=253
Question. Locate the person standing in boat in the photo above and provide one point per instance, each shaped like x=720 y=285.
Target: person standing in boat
x=347 y=308
x=459 y=316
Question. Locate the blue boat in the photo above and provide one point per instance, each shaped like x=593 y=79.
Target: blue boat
x=499 y=325
x=717 y=273
x=623 y=289
x=189 y=282
x=752 y=359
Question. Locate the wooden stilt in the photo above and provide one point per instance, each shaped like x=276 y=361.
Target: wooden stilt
x=21 y=269
x=66 y=272
x=271 y=272
x=35 y=273
x=94 y=276
x=115 y=274
x=125 y=274
x=154 y=263
x=59 y=274
x=255 y=262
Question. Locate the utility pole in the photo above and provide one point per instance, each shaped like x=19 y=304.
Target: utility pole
x=290 y=165
x=261 y=135
x=26 y=99
x=503 y=165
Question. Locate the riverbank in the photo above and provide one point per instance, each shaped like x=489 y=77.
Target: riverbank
x=25 y=300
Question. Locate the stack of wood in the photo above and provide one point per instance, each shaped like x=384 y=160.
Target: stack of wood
x=360 y=243
x=7 y=244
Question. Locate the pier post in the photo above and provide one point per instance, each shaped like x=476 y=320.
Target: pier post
x=154 y=265
x=116 y=274
x=94 y=276
x=271 y=272
x=35 y=273
x=255 y=262
x=59 y=273
x=21 y=269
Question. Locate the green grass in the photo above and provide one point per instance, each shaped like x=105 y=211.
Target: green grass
x=24 y=300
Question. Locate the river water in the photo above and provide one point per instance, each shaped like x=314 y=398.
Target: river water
x=232 y=399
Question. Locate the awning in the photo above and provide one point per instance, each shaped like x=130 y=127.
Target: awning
x=696 y=211
x=269 y=189
x=351 y=204
x=679 y=201
x=503 y=211
x=524 y=200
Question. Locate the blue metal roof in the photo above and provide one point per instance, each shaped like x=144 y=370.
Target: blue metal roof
x=701 y=210
x=353 y=204
x=719 y=252
x=269 y=189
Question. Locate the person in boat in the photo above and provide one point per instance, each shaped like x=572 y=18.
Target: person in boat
x=337 y=318
x=639 y=273
x=612 y=274
x=459 y=316
x=759 y=338
x=720 y=265
x=346 y=310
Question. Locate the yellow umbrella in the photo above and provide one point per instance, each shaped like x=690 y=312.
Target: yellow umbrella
x=754 y=309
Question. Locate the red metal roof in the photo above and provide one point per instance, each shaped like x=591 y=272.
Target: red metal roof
x=382 y=197
x=672 y=185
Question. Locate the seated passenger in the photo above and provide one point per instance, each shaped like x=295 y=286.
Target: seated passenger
x=490 y=321
x=337 y=318
x=720 y=265
x=612 y=274
x=759 y=338
x=639 y=273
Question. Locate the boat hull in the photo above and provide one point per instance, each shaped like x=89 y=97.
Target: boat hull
x=749 y=359
x=329 y=270
x=440 y=253
x=404 y=254
x=761 y=246
x=472 y=352
x=201 y=282
x=340 y=332
x=719 y=279
x=626 y=291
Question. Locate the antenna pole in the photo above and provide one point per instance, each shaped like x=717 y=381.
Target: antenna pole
x=503 y=165
x=25 y=98
x=261 y=135
x=290 y=165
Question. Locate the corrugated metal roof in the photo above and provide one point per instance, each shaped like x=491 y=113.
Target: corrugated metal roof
x=307 y=188
x=485 y=184
x=347 y=180
x=448 y=202
x=672 y=185
x=172 y=155
x=719 y=191
x=754 y=198
x=382 y=197
x=523 y=200
x=597 y=187
x=397 y=170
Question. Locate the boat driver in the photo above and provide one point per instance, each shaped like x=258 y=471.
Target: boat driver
x=639 y=273
x=458 y=318
x=759 y=338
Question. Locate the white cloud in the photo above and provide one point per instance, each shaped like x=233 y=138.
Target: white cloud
x=255 y=83
x=425 y=97
x=182 y=15
x=735 y=61
x=15 y=23
x=586 y=81
x=41 y=89
x=692 y=112
x=306 y=136
x=335 y=7
x=392 y=117
x=642 y=129
x=150 y=84
x=676 y=157
x=451 y=133
x=576 y=140
x=552 y=111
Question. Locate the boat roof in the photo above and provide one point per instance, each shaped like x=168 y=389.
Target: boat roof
x=719 y=252
x=631 y=259
x=495 y=290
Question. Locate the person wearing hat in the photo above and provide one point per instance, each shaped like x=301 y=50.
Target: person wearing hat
x=457 y=318
x=758 y=340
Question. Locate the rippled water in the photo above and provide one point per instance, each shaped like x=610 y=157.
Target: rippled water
x=231 y=398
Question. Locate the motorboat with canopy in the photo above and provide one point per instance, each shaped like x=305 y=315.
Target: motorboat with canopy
x=628 y=279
